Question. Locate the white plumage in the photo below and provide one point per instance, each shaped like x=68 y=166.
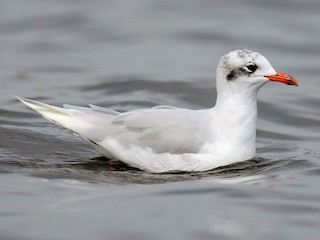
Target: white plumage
x=164 y=138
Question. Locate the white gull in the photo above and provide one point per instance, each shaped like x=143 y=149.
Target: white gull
x=169 y=139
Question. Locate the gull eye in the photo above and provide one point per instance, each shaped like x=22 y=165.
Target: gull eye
x=251 y=67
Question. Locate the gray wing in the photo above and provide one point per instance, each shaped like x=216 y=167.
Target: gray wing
x=163 y=129
x=171 y=130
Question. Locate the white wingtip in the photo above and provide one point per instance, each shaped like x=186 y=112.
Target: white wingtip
x=54 y=114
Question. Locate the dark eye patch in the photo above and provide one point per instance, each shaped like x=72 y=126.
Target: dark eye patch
x=247 y=70
x=236 y=73
x=232 y=75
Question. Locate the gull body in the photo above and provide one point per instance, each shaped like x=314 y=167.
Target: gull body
x=169 y=139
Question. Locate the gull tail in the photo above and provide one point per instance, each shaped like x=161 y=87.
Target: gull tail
x=57 y=115
x=90 y=124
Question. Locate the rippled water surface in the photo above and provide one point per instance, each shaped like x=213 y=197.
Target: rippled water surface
x=139 y=53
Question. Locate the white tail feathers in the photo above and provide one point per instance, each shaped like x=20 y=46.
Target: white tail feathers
x=80 y=120
x=77 y=119
x=54 y=114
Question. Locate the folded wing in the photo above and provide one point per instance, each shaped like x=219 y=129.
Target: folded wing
x=162 y=129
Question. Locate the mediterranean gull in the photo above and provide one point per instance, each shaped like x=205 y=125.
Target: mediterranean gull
x=169 y=139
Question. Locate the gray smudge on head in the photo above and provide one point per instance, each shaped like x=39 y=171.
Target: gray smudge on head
x=243 y=53
x=232 y=63
x=233 y=74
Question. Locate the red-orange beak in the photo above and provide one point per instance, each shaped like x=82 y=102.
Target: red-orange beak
x=283 y=78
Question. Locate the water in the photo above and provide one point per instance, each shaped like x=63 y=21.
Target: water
x=132 y=54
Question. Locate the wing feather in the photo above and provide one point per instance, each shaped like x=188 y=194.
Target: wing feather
x=162 y=130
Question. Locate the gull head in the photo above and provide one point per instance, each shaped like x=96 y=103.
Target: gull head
x=246 y=70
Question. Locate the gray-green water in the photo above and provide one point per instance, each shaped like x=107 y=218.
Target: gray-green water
x=138 y=53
